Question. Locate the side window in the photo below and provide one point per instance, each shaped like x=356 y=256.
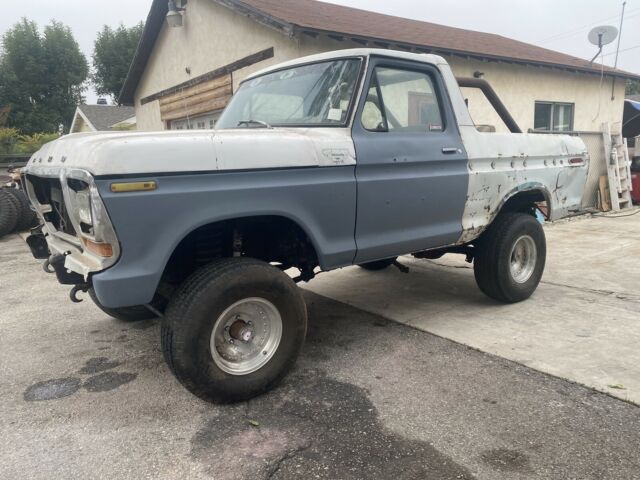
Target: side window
x=372 y=117
x=402 y=101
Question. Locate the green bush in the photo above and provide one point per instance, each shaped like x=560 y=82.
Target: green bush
x=12 y=142
x=33 y=143
x=8 y=139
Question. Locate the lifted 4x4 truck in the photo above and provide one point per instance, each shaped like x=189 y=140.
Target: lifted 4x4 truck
x=345 y=158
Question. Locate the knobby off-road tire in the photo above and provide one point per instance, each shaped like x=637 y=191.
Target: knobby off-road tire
x=124 y=314
x=197 y=329
x=510 y=258
x=378 y=264
x=27 y=218
x=8 y=213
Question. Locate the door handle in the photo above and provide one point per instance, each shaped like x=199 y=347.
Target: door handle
x=451 y=150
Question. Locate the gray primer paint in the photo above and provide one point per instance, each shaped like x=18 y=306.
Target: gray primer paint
x=149 y=225
x=411 y=195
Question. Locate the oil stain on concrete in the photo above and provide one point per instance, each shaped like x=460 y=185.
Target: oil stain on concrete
x=107 y=381
x=97 y=365
x=314 y=427
x=52 y=389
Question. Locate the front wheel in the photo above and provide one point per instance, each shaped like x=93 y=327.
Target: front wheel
x=510 y=258
x=234 y=329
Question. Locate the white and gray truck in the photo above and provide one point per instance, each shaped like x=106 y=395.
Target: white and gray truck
x=353 y=157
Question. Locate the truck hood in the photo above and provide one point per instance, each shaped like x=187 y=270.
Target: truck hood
x=130 y=153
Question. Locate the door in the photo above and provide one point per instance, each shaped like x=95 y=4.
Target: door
x=411 y=164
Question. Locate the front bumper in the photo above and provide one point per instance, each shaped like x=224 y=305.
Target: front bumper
x=75 y=259
x=60 y=227
x=71 y=266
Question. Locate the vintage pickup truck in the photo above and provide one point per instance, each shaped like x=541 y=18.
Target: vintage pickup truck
x=345 y=158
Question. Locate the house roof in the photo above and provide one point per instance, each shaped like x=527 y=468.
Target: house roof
x=312 y=17
x=103 y=117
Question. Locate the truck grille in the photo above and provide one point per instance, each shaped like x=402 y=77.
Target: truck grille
x=48 y=191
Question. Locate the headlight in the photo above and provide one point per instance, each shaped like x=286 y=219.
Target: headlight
x=83 y=206
x=89 y=216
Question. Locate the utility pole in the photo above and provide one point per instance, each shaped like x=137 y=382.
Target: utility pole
x=615 y=64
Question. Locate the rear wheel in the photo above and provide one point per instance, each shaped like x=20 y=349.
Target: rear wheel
x=378 y=264
x=124 y=314
x=234 y=329
x=27 y=218
x=510 y=258
x=8 y=213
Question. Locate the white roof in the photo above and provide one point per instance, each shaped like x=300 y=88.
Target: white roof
x=354 y=52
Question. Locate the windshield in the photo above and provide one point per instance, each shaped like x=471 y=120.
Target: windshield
x=320 y=94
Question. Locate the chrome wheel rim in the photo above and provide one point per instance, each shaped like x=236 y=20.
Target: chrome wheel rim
x=246 y=336
x=522 y=261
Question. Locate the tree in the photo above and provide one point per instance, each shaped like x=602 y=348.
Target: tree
x=633 y=87
x=112 y=55
x=67 y=71
x=41 y=76
x=22 y=73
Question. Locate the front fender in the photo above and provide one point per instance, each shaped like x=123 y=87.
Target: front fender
x=150 y=225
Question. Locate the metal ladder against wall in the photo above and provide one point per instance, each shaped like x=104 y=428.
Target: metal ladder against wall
x=618 y=167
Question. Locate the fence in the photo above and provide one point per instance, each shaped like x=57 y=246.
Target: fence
x=18 y=160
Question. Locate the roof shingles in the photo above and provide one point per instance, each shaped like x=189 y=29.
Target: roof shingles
x=328 y=17
x=103 y=117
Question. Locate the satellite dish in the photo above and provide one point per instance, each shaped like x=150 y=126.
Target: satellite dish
x=604 y=35
x=601 y=36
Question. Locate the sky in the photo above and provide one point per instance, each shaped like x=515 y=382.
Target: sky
x=560 y=25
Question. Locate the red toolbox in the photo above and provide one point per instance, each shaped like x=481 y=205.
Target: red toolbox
x=635 y=182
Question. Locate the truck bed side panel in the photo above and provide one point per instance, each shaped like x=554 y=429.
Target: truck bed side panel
x=504 y=164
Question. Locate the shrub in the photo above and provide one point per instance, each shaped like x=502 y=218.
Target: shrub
x=8 y=139
x=33 y=143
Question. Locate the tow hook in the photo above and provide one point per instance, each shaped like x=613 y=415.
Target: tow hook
x=83 y=287
x=401 y=267
x=46 y=266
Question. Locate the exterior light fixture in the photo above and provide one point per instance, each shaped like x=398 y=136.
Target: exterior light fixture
x=174 y=16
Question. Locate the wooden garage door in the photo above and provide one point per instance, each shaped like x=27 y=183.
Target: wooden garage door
x=198 y=99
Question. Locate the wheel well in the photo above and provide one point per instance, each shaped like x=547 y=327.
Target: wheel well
x=527 y=202
x=273 y=239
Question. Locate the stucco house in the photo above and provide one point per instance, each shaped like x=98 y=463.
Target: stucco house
x=182 y=77
x=100 y=118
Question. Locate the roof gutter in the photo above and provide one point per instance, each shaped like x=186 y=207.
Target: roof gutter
x=259 y=16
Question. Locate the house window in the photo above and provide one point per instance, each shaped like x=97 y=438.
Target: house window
x=552 y=116
x=201 y=122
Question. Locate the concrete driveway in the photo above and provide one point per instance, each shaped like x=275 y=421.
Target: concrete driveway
x=84 y=396
x=582 y=324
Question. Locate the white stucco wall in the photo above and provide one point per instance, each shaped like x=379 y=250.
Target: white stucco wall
x=519 y=87
x=214 y=36
x=79 y=125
